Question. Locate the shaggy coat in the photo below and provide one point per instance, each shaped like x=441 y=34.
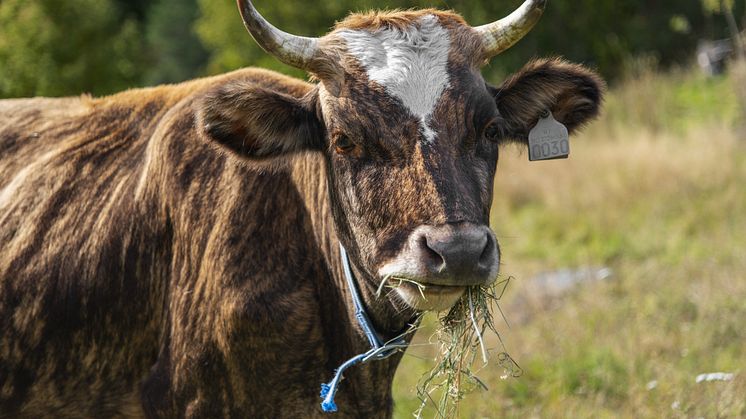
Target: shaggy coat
x=174 y=251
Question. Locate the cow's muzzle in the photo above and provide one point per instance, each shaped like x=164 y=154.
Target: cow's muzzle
x=443 y=260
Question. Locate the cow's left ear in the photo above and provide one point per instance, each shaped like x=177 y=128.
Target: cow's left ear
x=571 y=92
x=258 y=122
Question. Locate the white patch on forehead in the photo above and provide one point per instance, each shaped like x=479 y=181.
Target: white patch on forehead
x=410 y=64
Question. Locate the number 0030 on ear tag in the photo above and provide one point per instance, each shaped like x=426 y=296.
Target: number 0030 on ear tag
x=548 y=140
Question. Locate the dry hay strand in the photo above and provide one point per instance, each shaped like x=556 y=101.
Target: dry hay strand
x=460 y=340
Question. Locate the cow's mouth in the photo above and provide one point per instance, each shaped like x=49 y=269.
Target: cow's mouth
x=427 y=297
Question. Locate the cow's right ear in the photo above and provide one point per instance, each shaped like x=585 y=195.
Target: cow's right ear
x=256 y=122
x=572 y=93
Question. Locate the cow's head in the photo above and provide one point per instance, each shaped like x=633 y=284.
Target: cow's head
x=410 y=131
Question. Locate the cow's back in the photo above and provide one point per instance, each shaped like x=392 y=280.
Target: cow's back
x=71 y=254
x=83 y=254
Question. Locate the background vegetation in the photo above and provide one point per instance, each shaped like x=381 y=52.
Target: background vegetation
x=654 y=190
x=65 y=47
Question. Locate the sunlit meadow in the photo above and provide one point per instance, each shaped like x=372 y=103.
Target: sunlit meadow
x=655 y=190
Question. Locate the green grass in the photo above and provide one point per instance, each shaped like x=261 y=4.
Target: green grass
x=659 y=195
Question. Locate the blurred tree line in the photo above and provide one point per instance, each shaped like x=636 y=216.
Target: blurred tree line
x=63 y=47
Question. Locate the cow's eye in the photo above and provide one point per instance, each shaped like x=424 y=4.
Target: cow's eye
x=342 y=144
x=492 y=131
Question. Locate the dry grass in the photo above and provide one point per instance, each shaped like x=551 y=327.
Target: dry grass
x=461 y=334
x=664 y=205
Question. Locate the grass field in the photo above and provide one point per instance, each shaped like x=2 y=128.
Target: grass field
x=656 y=191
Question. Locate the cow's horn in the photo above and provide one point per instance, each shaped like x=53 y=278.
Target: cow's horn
x=503 y=34
x=297 y=51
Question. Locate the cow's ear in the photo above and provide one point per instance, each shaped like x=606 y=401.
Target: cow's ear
x=571 y=92
x=258 y=122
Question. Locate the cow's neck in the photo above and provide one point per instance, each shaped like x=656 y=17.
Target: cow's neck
x=388 y=315
x=388 y=319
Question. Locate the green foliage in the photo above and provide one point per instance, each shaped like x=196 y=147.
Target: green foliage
x=612 y=34
x=605 y=34
x=56 y=47
x=716 y=6
x=176 y=54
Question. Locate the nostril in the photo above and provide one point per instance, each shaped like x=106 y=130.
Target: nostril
x=488 y=251
x=434 y=259
x=486 y=258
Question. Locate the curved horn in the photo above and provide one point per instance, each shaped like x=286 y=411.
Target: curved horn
x=297 y=51
x=503 y=34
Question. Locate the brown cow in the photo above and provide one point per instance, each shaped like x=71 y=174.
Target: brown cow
x=174 y=251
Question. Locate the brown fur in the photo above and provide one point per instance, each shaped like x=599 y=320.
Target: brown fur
x=173 y=251
x=133 y=268
x=394 y=19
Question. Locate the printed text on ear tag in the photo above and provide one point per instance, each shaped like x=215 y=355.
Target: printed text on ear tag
x=548 y=140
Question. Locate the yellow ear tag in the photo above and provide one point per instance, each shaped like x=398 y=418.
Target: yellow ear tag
x=548 y=140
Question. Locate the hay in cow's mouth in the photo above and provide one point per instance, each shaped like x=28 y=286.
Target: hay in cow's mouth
x=460 y=339
x=393 y=282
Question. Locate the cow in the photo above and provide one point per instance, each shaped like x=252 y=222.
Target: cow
x=176 y=251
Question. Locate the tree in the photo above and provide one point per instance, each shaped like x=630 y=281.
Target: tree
x=175 y=51
x=606 y=34
x=61 y=47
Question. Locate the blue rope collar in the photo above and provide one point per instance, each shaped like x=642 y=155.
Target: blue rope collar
x=378 y=350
